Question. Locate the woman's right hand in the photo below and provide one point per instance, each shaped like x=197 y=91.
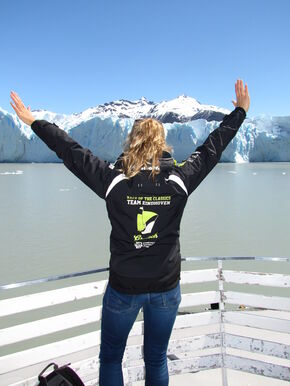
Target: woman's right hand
x=242 y=95
x=23 y=113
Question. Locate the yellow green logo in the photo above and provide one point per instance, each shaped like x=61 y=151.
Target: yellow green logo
x=146 y=220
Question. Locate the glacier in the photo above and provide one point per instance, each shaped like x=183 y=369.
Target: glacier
x=259 y=139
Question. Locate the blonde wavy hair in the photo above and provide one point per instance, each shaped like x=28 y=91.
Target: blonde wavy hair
x=144 y=146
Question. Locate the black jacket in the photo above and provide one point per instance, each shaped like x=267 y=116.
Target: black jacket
x=145 y=215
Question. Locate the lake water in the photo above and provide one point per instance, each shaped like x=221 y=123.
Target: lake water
x=51 y=223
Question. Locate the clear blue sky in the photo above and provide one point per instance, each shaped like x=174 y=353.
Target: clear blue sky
x=68 y=55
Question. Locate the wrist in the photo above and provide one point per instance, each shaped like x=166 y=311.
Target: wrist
x=244 y=108
x=30 y=121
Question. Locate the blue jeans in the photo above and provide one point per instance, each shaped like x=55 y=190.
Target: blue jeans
x=119 y=313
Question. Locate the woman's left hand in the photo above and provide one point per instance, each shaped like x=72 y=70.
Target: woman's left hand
x=22 y=112
x=243 y=97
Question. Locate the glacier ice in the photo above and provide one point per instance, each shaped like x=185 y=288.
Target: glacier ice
x=259 y=139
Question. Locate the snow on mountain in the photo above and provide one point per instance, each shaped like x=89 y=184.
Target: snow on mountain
x=184 y=109
x=122 y=109
x=187 y=123
x=180 y=109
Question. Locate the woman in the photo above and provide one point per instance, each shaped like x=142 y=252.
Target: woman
x=145 y=192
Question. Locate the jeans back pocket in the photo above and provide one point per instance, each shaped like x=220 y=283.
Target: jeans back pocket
x=173 y=296
x=117 y=301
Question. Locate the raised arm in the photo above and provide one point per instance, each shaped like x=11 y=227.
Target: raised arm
x=198 y=165
x=89 y=168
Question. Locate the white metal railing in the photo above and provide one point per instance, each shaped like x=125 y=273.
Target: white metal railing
x=216 y=348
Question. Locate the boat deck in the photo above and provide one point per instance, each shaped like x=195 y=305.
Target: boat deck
x=225 y=346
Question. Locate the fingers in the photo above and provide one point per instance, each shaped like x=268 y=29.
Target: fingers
x=14 y=98
x=239 y=88
x=23 y=113
x=15 y=95
x=14 y=107
x=18 y=102
x=17 y=111
x=242 y=95
x=19 y=107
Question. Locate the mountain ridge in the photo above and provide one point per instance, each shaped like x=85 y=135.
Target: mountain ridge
x=180 y=109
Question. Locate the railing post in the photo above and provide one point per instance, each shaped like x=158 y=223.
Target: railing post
x=221 y=324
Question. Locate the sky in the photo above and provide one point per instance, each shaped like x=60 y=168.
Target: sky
x=68 y=55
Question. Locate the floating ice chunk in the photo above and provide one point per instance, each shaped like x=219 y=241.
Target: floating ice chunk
x=17 y=172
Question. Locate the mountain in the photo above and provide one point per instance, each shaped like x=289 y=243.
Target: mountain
x=187 y=123
x=181 y=109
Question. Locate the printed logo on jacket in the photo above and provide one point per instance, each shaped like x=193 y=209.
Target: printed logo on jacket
x=146 y=219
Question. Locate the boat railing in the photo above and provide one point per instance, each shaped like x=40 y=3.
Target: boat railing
x=241 y=330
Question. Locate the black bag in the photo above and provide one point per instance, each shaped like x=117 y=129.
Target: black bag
x=60 y=376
